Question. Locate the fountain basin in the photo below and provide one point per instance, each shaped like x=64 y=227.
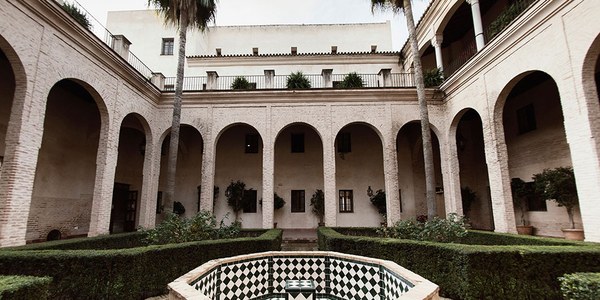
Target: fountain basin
x=324 y=275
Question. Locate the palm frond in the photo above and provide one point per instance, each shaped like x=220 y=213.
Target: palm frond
x=395 y=5
x=198 y=13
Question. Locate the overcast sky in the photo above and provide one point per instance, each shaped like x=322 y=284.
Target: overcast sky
x=264 y=12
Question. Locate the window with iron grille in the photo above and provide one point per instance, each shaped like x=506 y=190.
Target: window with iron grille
x=346 y=201
x=298 y=203
x=167 y=46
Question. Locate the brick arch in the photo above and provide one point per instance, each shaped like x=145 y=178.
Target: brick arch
x=456 y=119
x=227 y=127
x=591 y=83
x=298 y=123
x=145 y=126
x=367 y=124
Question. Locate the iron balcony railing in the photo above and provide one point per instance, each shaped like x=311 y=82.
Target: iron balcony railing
x=506 y=17
x=260 y=82
x=108 y=38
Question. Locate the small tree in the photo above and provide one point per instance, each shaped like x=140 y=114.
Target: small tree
x=352 y=80
x=235 y=196
x=558 y=185
x=317 y=201
x=520 y=192
x=297 y=80
x=241 y=83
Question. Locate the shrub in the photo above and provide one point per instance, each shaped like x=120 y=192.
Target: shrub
x=297 y=80
x=24 y=287
x=241 y=83
x=433 y=77
x=451 y=229
x=203 y=226
x=235 y=196
x=580 y=286
x=77 y=14
x=317 y=201
x=515 y=270
x=278 y=202
x=135 y=273
x=352 y=80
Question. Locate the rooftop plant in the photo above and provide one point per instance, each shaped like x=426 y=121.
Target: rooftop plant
x=77 y=14
x=352 y=80
x=241 y=83
x=297 y=80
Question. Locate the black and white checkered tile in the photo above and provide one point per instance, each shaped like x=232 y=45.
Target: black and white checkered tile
x=207 y=283
x=307 y=268
x=353 y=280
x=245 y=280
x=335 y=278
x=394 y=285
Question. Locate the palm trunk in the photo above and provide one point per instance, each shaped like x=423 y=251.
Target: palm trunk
x=423 y=112
x=174 y=143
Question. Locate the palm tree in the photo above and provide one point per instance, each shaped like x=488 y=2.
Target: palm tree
x=183 y=14
x=406 y=7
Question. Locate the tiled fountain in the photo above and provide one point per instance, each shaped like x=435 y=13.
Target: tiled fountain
x=313 y=275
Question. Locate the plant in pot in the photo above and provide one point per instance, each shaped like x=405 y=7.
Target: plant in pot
x=378 y=200
x=352 y=80
x=559 y=185
x=241 y=83
x=278 y=203
x=317 y=201
x=521 y=191
x=297 y=80
x=235 y=196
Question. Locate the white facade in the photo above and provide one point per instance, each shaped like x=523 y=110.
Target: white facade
x=60 y=166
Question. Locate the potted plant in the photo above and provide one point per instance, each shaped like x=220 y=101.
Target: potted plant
x=235 y=196
x=317 y=201
x=559 y=185
x=278 y=203
x=520 y=192
x=433 y=77
x=297 y=80
x=352 y=80
x=241 y=83
x=378 y=200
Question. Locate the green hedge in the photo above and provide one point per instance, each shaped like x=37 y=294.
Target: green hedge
x=134 y=273
x=580 y=286
x=24 y=287
x=104 y=242
x=477 y=271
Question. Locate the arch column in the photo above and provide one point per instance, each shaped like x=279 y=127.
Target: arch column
x=268 y=174
x=451 y=174
x=390 y=169
x=496 y=157
x=477 y=24
x=331 y=195
x=436 y=42
x=106 y=162
x=151 y=174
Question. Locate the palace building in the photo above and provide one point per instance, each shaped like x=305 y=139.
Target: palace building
x=85 y=116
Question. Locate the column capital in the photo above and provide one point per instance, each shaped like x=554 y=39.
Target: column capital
x=437 y=40
x=472 y=2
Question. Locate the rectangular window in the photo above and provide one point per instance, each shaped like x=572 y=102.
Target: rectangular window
x=344 y=144
x=526 y=118
x=297 y=142
x=251 y=145
x=250 y=201
x=298 y=201
x=167 y=46
x=346 y=201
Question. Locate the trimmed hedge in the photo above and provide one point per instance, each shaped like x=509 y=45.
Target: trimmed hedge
x=103 y=242
x=24 y=287
x=580 y=286
x=134 y=273
x=477 y=271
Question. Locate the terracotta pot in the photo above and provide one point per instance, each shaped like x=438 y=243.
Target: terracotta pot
x=525 y=229
x=573 y=234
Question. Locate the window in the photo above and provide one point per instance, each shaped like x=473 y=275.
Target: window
x=167 y=46
x=297 y=142
x=255 y=51
x=373 y=48
x=251 y=145
x=346 y=201
x=218 y=50
x=250 y=201
x=333 y=49
x=294 y=50
x=344 y=144
x=298 y=201
x=526 y=118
